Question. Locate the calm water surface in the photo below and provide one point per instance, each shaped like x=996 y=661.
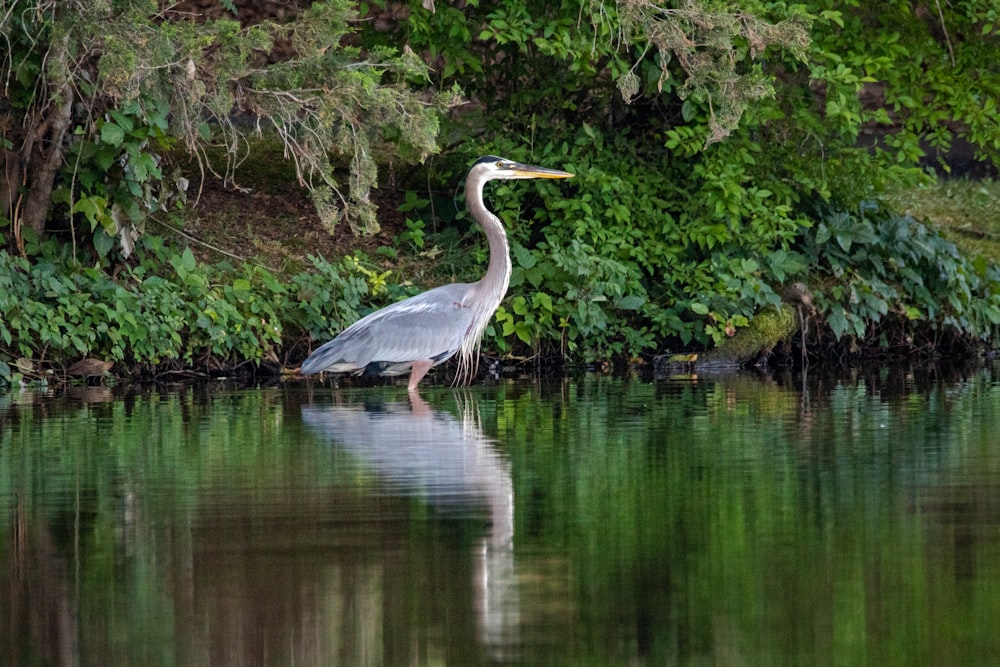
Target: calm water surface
x=734 y=521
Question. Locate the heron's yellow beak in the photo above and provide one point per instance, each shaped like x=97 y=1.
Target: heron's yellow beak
x=531 y=171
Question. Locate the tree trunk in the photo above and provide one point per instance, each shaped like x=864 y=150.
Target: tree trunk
x=43 y=154
x=10 y=164
x=35 y=164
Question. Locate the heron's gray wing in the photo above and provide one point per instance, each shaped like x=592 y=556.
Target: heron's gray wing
x=430 y=325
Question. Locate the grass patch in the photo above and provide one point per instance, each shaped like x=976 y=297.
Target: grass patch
x=966 y=211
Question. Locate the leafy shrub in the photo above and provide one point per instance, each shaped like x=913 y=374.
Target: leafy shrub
x=668 y=235
x=888 y=280
x=172 y=309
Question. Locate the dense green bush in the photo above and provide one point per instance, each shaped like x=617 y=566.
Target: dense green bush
x=669 y=236
x=169 y=310
x=613 y=269
x=887 y=280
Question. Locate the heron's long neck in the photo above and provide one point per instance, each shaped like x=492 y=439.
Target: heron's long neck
x=494 y=284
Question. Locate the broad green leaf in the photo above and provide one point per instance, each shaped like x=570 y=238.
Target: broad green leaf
x=631 y=302
x=525 y=258
x=188 y=260
x=103 y=243
x=837 y=320
x=112 y=134
x=822 y=233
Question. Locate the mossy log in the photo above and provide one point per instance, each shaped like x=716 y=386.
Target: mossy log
x=768 y=327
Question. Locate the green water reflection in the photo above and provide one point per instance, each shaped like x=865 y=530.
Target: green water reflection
x=842 y=521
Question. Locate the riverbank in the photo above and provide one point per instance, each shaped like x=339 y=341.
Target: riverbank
x=250 y=280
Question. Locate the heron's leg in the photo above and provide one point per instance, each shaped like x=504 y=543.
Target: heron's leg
x=418 y=371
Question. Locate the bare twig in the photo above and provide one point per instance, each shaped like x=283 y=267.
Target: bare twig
x=944 y=28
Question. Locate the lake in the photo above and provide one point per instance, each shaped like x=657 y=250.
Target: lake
x=849 y=519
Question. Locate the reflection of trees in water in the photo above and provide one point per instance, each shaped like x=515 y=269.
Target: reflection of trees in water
x=394 y=566
x=966 y=523
x=376 y=559
x=39 y=618
x=397 y=569
x=247 y=529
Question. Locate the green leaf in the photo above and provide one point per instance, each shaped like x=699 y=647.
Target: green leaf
x=833 y=16
x=103 y=243
x=126 y=122
x=106 y=156
x=523 y=332
x=144 y=166
x=699 y=308
x=519 y=306
x=822 y=233
x=188 y=260
x=93 y=208
x=112 y=133
x=631 y=302
x=688 y=110
x=837 y=320
x=525 y=258
x=542 y=301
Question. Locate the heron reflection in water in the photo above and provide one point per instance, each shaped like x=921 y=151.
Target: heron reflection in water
x=418 y=333
x=418 y=451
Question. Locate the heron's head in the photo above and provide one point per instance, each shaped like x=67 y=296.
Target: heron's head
x=492 y=167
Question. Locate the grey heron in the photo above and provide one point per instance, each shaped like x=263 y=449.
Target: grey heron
x=425 y=330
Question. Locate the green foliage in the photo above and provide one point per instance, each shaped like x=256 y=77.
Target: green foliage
x=932 y=71
x=116 y=178
x=716 y=46
x=885 y=269
x=192 y=85
x=171 y=309
x=668 y=234
x=554 y=63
